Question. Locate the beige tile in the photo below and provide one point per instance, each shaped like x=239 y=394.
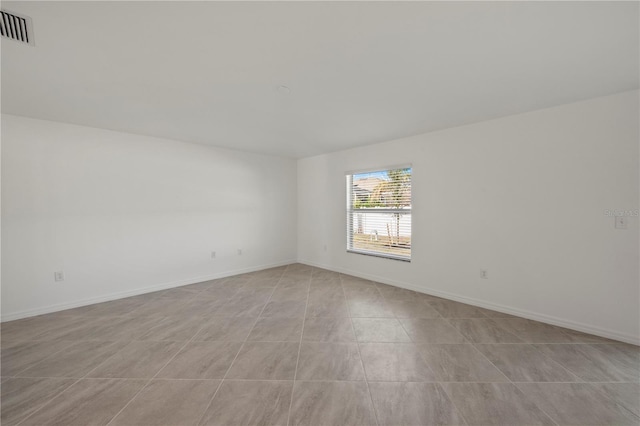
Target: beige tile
x=287 y=308
x=168 y=402
x=329 y=361
x=326 y=291
x=21 y=397
x=396 y=293
x=238 y=279
x=328 y=330
x=484 y=331
x=579 y=337
x=205 y=305
x=624 y=394
x=242 y=308
x=379 y=330
x=137 y=360
x=223 y=291
x=36 y=328
x=88 y=402
x=246 y=303
x=413 y=309
x=17 y=356
x=75 y=361
x=577 y=404
x=328 y=286
x=183 y=292
x=355 y=291
x=261 y=283
x=321 y=275
x=274 y=272
x=495 y=314
x=431 y=330
x=205 y=285
x=413 y=404
x=265 y=361
x=494 y=404
x=597 y=363
x=175 y=328
x=201 y=360
x=68 y=328
x=533 y=331
x=369 y=307
x=399 y=362
x=459 y=363
x=250 y=403
x=290 y=294
x=351 y=279
x=123 y=328
x=83 y=328
x=327 y=306
x=277 y=329
x=290 y=280
x=331 y=404
x=225 y=329
x=335 y=392
x=451 y=309
x=113 y=308
x=160 y=306
x=525 y=363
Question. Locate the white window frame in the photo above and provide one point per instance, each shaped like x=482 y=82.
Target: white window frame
x=350 y=215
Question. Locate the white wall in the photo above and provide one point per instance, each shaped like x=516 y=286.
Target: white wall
x=121 y=213
x=523 y=197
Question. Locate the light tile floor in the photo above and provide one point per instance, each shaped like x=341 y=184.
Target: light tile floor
x=298 y=345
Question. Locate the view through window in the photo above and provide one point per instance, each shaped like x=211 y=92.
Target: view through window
x=379 y=213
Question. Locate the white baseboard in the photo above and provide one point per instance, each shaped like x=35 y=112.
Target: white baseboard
x=120 y=295
x=548 y=319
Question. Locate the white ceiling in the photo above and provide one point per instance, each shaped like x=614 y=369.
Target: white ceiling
x=359 y=73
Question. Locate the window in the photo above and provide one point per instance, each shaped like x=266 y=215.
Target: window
x=379 y=213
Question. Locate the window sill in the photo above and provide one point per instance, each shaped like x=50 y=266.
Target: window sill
x=382 y=255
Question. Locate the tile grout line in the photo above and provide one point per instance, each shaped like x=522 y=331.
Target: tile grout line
x=428 y=366
x=155 y=375
x=295 y=374
x=48 y=401
x=78 y=380
x=71 y=343
x=581 y=380
x=615 y=402
x=364 y=372
x=204 y=412
x=469 y=342
x=515 y=383
x=506 y=377
x=561 y=365
x=70 y=386
x=332 y=380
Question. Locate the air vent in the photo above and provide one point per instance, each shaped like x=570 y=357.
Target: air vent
x=16 y=27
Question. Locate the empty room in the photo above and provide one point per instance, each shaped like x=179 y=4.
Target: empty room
x=320 y=213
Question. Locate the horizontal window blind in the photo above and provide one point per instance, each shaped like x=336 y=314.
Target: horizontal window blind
x=379 y=213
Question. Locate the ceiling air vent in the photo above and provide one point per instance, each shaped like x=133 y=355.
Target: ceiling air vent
x=16 y=27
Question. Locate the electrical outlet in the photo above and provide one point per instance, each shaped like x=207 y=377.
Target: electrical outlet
x=621 y=222
x=58 y=276
x=213 y=254
x=239 y=252
x=484 y=274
